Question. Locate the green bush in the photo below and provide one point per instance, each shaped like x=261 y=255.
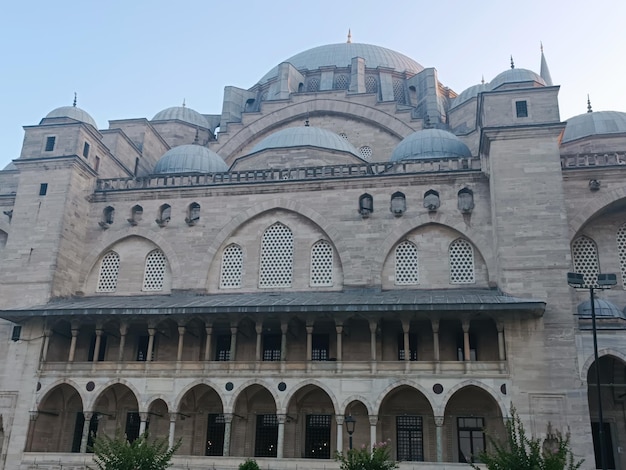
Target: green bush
x=116 y=453
x=249 y=464
x=362 y=459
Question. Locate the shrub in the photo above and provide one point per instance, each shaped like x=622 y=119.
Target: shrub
x=249 y=464
x=116 y=453
x=362 y=459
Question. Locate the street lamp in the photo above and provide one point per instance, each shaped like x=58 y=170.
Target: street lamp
x=605 y=281
x=350 y=424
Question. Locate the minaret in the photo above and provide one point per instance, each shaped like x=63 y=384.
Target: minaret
x=349 y=36
x=545 y=72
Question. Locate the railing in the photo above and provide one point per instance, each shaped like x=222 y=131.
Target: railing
x=592 y=160
x=290 y=174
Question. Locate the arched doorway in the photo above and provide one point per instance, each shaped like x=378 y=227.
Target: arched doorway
x=255 y=424
x=116 y=409
x=158 y=420
x=200 y=423
x=361 y=435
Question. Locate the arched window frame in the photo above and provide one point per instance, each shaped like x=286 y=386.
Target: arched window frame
x=154 y=271
x=108 y=273
x=406 y=264
x=231 y=271
x=322 y=264
x=585 y=259
x=276 y=262
x=461 y=258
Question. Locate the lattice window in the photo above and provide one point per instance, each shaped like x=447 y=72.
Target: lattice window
x=155 y=271
x=407 y=271
x=232 y=266
x=461 y=262
x=322 y=264
x=585 y=256
x=371 y=84
x=398 y=91
x=109 y=271
x=313 y=84
x=621 y=251
x=341 y=82
x=276 y=268
x=366 y=152
x=410 y=438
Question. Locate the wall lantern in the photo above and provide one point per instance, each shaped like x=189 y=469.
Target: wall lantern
x=398 y=204
x=366 y=205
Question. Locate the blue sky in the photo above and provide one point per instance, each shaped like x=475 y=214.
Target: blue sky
x=128 y=59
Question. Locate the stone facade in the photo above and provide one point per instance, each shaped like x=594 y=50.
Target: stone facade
x=248 y=312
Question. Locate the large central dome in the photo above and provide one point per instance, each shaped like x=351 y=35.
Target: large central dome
x=341 y=55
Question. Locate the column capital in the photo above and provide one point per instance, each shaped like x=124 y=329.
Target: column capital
x=123 y=328
x=500 y=326
x=144 y=416
x=340 y=419
x=406 y=326
x=233 y=330
x=339 y=328
x=309 y=329
x=34 y=414
x=434 y=323
x=465 y=324
x=87 y=415
x=373 y=420
x=282 y=419
x=438 y=421
x=173 y=416
x=182 y=330
x=208 y=329
x=258 y=327
x=373 y=326
x=284 y=327
x=228 y=418
x=151 y=331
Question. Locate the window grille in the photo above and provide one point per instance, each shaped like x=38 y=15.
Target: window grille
x=317 y=439
x=341 y=82
x=86 y=150
x=215 y=435
x=266 y=442
x=232 y=265
x=222 y=348
x=50 y=141
x=398 y=91
x=366 y=152
x=322 y=264
x=371 y=84
x=521 y=108
x=109 y=271
x=461 y=256
x=412 y=347
x=133 y=421
x=154 y=273
x=319 y=347
x=313 y=84
x=585 y=256
x=271 y=347
x=407 y=271
x=410 y=446
x=43 y=189
x=471 y=437
x=276 y=268
x=621 y=251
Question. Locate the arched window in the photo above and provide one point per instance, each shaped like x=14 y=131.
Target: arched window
x=276 y=265
x=165 y=214
x=109 y=271
x=136 y=213
x=193 y=214
x=407 y=269
x=621 y=251
x=321 y=264
x=461 y=255
x=154 y=272
x=232 y=264
x=398 y=91
x=585 y=256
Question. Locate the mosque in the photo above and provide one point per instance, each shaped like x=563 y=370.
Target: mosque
x=350 y=252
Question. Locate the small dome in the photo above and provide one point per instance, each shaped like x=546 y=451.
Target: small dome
x=304 y=136
x=515 y=76
x=596 y=123
x=190 y=159
x=469 y=93
x=182 y=113
x=341 y=55
x=603 y=308
x=72 y=112
x=430 y=143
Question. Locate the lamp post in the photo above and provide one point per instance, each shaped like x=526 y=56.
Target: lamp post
x=605 y=281
x=350 y=424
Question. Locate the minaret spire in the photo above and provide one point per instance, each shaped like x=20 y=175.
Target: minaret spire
x=74 y=99
x=589 y=110
x=512 y=63
x=349 y=36
x=545 y=72
x=184 y=102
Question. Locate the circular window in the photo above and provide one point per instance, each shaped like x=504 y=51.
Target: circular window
x=438 y=389
x=282 y=386
x=229 y=386
x=90 y=386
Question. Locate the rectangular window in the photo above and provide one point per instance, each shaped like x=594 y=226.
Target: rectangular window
x=86 y=150
x=471 y=438
x=521 y=108
x=16 y=333
x=410 y=440
x=320 y=346
x=43 y=189
x=50 y=143
x=92 y=348
x=412 y=347
x=133 y=422
x=266 y=442
x=215 y=435
x=222 y=348
x=317 y=439
x=271 y=347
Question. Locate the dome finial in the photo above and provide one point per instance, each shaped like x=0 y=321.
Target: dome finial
x=349 y=36
x=74 y=100
x=512 y=63
x=482 y=80
x=184 y=103
x=589 y=110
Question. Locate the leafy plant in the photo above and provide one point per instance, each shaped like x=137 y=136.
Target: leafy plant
x=362 y=459
x=521 y=452
x=117 y=453
x=249 y=464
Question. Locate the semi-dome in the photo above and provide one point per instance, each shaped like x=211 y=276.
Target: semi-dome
x=304 y=136
x=182 y=113
x=595 y=123
x=603 y=308
x=469 y=93
x=72 y=112
x=341 y=55
x=515 y=76
x=430 y=143
x=190 y=158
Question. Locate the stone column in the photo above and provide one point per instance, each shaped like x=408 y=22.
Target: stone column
x=339 y=330
x=233 y=343
x=33 y=415
x=181 y=343
x=406 y=325
x=85 y=435
x=439 y=437
x=228 y=421
x=339 y=420
x=466 y=344
x=207 y=347
x=170 y=436
x=281 y=436
x=373 y=423
x=151 y=332
x=284 y=327
x=259 y=339
x=47 y=332
x=501 y=352
x=373 y=327
x=123 y=332
x=96 y=348
x=309 y=346
x=75 y=331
